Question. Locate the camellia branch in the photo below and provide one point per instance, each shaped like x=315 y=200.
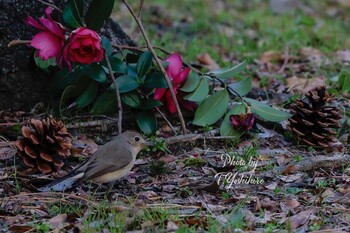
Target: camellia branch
x=167 y=79
x=52 y=5
x=140 y=48
x=227 y=87
x=120 y=109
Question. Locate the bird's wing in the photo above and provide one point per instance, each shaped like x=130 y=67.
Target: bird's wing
x=108 y=159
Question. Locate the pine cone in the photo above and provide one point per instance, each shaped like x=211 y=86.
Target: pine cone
x=44 y=144
x=314 y=121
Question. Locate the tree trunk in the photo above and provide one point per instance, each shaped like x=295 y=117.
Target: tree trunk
x=22 y=84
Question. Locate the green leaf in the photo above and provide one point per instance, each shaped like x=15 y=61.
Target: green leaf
x=131 y=71
x=242 y=87
x=131 y=57
x=200 y=93
x=63 y=78
x=155 y=80
x=344 y=81
x=106 y=45
x=229 y=72
x=131 y=99
x=149 y=104
x=267 y=112
x=95 y=72
x=44 y=64
x=211 y=109
x=226 y=128
x=125 y=83
x=98 y=12
x=88 y=95
x=77 y=86
x=144 y=63
x=72 y=13
x=192 y=82
x=67 y=93
x=147 y=122
x=106 y=103
x=117 y=65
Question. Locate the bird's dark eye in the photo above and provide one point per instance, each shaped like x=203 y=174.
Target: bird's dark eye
x=137 y=139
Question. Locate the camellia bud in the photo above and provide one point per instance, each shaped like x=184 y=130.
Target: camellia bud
x=242 y=121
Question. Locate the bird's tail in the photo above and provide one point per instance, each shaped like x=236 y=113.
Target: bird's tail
x=62 y=184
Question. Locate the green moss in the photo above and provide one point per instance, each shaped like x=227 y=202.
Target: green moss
x=194 y=162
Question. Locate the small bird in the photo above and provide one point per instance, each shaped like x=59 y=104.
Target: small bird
x=109 y=163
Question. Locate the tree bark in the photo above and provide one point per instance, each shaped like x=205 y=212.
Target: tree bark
x=22 y=84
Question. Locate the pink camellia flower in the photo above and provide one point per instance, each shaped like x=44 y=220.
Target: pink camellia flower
x=177 y=75
x=50 y=40
x=242 y=121
x=84 y=47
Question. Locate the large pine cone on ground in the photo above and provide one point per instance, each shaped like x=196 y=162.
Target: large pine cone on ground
x=314 y=120
x=44 y=145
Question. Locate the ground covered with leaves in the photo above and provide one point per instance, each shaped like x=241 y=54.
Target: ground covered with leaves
x=191 y=183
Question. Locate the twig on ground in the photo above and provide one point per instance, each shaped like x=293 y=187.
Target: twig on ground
x=119 y=102
x=92 y=116
x=192 y=137
x=18 y=42
x=88 y=124
x=167 y=79
x=166 y=120
x=313 y=163
x=3 y=144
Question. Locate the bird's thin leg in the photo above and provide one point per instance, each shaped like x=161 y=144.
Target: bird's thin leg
x=98 y=187
x=111 y=186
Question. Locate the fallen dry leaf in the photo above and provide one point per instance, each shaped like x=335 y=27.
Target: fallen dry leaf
x=58 y=221
x=328 y=193
x=291 y=178
x=343 y=56
x=290 y=169
x=303 y=85
x=171 y=226
x=292 y=203
x=300 y=218
x=84 y=146
x=168 y=158
x=7 y=152
x=283 y=159
x=271 y=186
x=314 y=56
x=206 y=60
x=257 y=207
x=270 y=56
x=268 y=204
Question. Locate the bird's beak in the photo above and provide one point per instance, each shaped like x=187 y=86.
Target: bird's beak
x=148 y=143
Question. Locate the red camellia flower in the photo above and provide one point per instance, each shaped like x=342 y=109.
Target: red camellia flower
x=177 y=75
x=84 y=47
x=50 y=40
x=242 y=121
